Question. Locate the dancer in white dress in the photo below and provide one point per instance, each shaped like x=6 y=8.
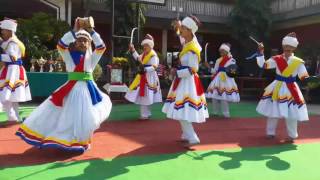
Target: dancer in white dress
x=186 y=100
x=283 y=98
x=223 y=89
x=68 y=118
x=14 y=87
x=145 y=88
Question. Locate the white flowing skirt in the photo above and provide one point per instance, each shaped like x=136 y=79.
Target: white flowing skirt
x=185 y=104
x=152 y=91
x=284 y=106
x=68 y=127
x=223 y=90
x=12 y=88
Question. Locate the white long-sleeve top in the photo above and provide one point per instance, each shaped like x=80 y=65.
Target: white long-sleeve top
x=91 y=58
x=301 y=71
x=12 y=51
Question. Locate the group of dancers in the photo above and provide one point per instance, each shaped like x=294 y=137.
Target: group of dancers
x=68 y=118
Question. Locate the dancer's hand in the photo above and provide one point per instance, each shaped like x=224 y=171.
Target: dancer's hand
x=76 y=26
x=261 y=48
x=131 y=48
x=89 y=29
x=176 y=25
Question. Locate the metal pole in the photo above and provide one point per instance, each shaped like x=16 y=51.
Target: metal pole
x=112 y=31
x=138 y=21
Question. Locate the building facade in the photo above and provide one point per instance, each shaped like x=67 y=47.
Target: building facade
x=301 y=16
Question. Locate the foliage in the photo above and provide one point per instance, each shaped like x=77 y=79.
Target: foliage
x=97 y=72
x=120 y=61
x=309 y=51
x=313 y=85
x=251 y=18
x=41 y=33
x=126 y=15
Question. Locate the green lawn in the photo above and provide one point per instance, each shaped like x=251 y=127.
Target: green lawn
x=285 y=162
x=132 y=111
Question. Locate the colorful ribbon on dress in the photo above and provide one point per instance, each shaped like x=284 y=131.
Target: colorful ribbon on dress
x=222 y=62
x=286 y=76
x=78 y=75
x=141 y=79
x=197 y=81
x=21 y=69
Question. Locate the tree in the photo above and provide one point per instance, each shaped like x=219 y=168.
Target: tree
x=126 y=17
x=251 y=18
x=40 y=34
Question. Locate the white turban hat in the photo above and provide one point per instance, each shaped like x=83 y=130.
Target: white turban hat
x=225 y=47
x=84 y=34
x=9 y=24
x=291 y=40
x=148 y=39
x=190 y=24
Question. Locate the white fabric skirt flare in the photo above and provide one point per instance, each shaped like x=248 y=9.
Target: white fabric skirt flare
x=223 y=90
x=283 y=107
x=69 y=127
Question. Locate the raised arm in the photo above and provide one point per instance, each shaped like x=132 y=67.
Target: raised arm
x=63 y=44
x=269 y=64
x=262 y=63
x=134 y=52
x=100 y=48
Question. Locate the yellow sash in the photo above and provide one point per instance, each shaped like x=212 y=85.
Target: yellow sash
x=191 y=46
x=20 y=45
x=145 y=60
x=286 y=73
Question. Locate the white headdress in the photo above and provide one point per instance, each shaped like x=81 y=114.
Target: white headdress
x=148 y=40
x=225 y=47
x=291 y=40
x=192 y=25
x=9 y=24
x=84 y=34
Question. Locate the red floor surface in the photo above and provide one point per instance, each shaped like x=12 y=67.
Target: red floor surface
x=117 y=139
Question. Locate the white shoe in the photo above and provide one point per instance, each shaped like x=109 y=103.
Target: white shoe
x=191 y=143
x=184 y=138
x=144 y=118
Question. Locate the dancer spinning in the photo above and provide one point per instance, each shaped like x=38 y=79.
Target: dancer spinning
x=145 y=88
x=14 y=87
x=223 y=89
x=68 y=118
x=283 y=98
x=186 y=100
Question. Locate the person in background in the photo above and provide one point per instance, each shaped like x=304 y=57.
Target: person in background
x=223 y=89
x=14 y=86
x=283 y=98
x=145 y=89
